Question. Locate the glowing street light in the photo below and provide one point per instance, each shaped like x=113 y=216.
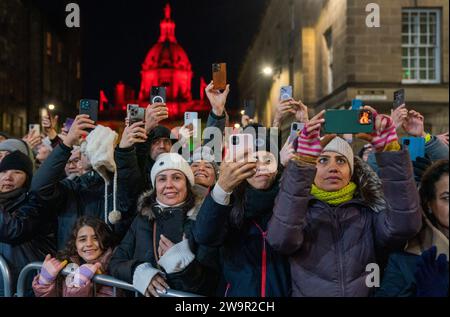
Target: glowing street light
x=267 y=71
x=51 y=107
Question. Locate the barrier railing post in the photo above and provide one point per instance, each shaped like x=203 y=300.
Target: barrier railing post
x=6 y=276
x=35 y=266
x=97 y=279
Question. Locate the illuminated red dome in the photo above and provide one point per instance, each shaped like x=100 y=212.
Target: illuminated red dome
x=167 y=64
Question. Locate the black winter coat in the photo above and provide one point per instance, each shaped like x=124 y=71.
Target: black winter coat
x=85 y=195
x=26 y=234
x=199 y=277
x=249 y=265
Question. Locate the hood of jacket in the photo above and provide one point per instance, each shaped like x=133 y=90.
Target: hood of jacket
x=369 y=186
x=146 y=207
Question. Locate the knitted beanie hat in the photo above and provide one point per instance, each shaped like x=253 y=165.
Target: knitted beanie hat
x=20 y=162
x=340 y=146
x=100 y=152
x=172 y=161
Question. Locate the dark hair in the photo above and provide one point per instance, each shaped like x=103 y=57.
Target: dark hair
x=102 y=230
x=237 y=213
x=428 y=185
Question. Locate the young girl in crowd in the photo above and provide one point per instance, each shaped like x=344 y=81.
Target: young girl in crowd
x=90 y=248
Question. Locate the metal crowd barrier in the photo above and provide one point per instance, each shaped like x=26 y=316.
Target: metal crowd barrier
x=97 y=279
x=6 y=276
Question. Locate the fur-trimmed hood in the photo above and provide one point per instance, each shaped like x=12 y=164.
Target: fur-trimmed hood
x=369 y=186
x=146 y=206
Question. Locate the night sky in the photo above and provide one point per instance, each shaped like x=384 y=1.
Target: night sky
x=118 y=34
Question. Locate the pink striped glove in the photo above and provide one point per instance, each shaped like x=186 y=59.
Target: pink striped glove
x=308 y=144
x=385 y=134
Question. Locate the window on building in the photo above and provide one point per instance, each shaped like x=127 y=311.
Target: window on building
x=49 y=43
x=421 y=48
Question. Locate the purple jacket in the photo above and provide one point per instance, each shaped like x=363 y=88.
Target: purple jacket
x=330 y=246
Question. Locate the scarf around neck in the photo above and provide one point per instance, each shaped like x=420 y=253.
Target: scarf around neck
x=335 y=198
x=259 y=203
x=8 y=199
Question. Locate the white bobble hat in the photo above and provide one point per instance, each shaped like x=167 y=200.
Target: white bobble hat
x=172 y=161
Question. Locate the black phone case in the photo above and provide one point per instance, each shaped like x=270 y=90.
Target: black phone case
x=158 y=91
x=171 y=225
x=89 y=107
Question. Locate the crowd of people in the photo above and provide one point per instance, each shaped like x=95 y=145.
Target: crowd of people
x=305 y=221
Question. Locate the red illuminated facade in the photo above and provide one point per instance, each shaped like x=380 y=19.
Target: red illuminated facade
x=168 y=65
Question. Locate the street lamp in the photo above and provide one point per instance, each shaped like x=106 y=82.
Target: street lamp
x=268 y=71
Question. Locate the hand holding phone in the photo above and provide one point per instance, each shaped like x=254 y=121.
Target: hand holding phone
x=80 y=128
x=154 y=114
x=134 y=133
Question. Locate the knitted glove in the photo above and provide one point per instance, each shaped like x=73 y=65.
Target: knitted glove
x=384 y=134
x=177 y=258
x=50 y=270
x=85 y=273
x=308 y=144
x=430 y=275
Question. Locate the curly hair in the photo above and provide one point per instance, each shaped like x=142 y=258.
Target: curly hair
x=103 y=232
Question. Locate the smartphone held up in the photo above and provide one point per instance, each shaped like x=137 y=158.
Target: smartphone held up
x=89 y=107
x=219 y=76
x=135 y=114
x=348 y=121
